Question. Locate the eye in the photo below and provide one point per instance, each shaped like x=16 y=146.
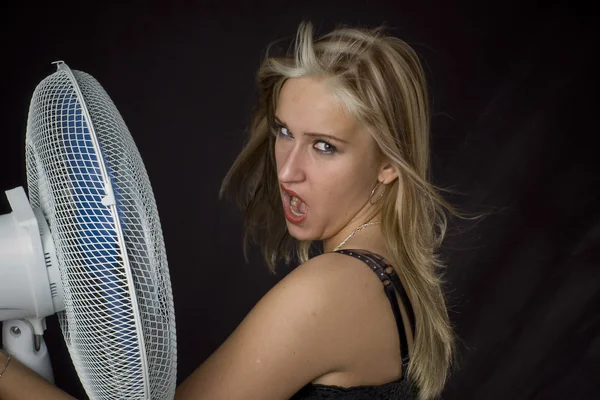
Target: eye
x=280 y=130
x=325 y=147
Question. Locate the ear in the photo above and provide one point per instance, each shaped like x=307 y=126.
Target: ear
x=387 y=173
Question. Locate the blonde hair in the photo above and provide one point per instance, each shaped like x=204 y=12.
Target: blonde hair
x=380 y=81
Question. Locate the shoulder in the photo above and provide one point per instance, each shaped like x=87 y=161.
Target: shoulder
x=332 y=288
x=322 y=295
x=330 y=275
x=296 y=333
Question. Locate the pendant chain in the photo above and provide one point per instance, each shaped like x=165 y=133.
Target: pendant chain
x=358 y=229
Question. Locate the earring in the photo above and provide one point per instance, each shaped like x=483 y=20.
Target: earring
x=373 y=192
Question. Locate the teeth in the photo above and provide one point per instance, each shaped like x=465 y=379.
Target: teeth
x=295 y=202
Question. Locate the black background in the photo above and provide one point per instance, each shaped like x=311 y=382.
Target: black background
x=514 y=89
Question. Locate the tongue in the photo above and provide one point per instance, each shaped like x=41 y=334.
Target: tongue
x=302 y=207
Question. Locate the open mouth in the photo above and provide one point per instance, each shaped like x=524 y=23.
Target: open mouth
x=295 y=208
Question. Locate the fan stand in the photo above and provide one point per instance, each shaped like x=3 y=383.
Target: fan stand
x=21 y=342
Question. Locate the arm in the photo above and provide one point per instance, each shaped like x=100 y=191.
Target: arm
x=290 y=338
x=19 y=382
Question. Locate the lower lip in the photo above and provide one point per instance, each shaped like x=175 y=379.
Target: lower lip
x=289 y=215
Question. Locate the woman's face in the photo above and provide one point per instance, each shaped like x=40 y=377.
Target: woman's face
x=326 y=164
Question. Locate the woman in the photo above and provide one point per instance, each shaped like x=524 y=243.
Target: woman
x=338 y=153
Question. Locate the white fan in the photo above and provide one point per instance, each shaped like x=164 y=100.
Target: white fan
x=88 y=246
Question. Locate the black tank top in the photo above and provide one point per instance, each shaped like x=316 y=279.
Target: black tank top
x=399 y=389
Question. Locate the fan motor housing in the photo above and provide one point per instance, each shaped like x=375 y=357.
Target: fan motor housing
x=30 y=286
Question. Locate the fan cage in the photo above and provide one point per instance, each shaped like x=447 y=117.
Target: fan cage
x=118 y=321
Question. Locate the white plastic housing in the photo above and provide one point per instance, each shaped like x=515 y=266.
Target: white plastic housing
x=30 y=286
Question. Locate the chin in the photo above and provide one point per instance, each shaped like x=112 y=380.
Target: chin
x=300 y=233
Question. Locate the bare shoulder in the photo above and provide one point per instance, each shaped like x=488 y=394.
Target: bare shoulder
x=335 y=288
x=336 y=274
x=295 y=334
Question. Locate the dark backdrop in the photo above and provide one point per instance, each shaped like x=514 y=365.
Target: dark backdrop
x=514 y=98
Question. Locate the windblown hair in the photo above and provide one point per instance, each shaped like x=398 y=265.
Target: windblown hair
x=380 y=82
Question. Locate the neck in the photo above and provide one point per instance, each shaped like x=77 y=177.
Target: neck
x=353 y=233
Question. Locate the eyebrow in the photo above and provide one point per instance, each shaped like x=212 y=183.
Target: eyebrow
x=312 y=134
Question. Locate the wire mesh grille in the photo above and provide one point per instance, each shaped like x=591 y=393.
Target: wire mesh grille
x=67 y=170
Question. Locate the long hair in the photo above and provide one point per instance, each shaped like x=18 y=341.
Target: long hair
x=380 y=82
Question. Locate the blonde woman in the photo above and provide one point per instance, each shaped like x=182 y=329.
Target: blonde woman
x=338 y=153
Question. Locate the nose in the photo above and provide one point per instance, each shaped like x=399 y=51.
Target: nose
x=291 y=163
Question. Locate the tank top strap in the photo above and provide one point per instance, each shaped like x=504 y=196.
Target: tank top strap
x=378 y=265
x=395 y=279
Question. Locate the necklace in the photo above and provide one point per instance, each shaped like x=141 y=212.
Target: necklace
x=358 y=229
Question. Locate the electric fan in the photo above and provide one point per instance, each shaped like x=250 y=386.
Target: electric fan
x=88 y=246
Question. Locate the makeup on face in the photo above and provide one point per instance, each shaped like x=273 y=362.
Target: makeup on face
x=323 y=160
